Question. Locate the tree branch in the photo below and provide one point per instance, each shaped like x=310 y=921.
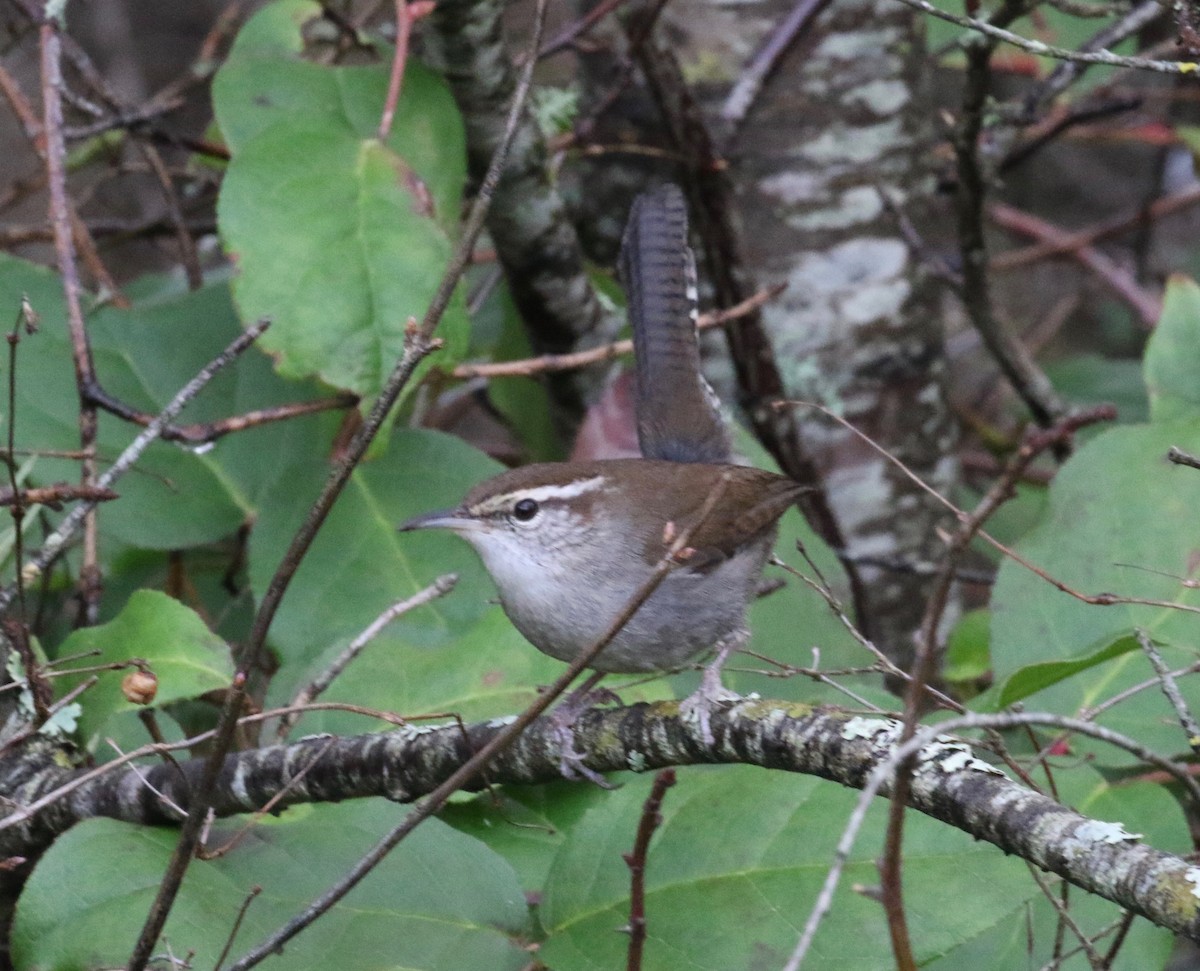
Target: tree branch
x=949 y=783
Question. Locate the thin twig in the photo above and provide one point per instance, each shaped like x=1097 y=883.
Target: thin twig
x=1098 y=600
x=1029 y=382
x=1191 y=729
x=573 y=31
x=650 y=820
x=1049 y=50
x=237 y=925
x=66 y=529
x=202 y=433
x=1178 y=456
x=1064 y=915
x=1165 y=206
x=1112 y=34
x=396 y=78
x=546 y=363
x=749 y=83
x=162 y=797
x=293 y=781
x=1146 y=306
x=902 y=752
x=81 y=350
x=188 y=255
x=439 y=588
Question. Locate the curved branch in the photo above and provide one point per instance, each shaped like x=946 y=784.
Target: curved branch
x=949 y=783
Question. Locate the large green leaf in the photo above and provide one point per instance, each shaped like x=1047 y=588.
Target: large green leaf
x=738 y=862
x=359 y=563
x=1033 y=678
x=174 y=497
x=1172 y=363
x=338 y=236
x=186 y=657
x=1120 y=519
x=441 y=901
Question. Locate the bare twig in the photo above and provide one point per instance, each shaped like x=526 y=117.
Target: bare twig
x=749 y=83
x=1034 y=389
x=396 y=78
x=439 y=588
x=1191 y=729
x=66 y=529
x=237 y=924
x=187 y=246
x=882 y=774
x=53 y=496
x=595 y=355
x=567 y=37
x=1098 y=599
x=204 y=432
x=64 y=247
x=1070 y=71
x=293 y=781
x=1180 y=457
x=1147 y=306
x=1159 y=208
x=636 y=861
x=995 y=33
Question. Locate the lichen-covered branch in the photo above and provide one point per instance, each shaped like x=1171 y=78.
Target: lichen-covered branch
x=949 y=783
x=535 y=242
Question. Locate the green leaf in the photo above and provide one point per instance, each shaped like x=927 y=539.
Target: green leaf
x=481 y=670
x=175 y=497
x=738 y=860
x=359 y=564
x=1090 y=379
x=1115 y=522
x=1173 y=354
x=1034 y=677
x=441 y=901
x=337 y=236
x=528 y=825
x=186 y=657
x=967 y=654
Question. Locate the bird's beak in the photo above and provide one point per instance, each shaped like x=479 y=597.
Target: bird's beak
x=442 y=519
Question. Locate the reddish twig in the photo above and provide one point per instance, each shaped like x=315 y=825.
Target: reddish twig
x=64 y=247
x=53 y=496
x=396 y=78
x=202 y=433
x=636 y=861
x=1147 y=306
x=594 y=355
x=1165 y=206
x=573 y=31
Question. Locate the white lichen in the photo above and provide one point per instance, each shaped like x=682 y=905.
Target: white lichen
x=1098 y=831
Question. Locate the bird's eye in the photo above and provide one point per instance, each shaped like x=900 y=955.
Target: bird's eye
x=525 y=510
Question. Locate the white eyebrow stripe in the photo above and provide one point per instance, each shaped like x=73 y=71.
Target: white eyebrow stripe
x=568 y=491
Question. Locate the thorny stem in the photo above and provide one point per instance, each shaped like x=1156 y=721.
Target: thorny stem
x=636 y=861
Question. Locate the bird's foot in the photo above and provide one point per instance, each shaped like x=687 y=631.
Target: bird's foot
x=563 y=719
x=699 y=706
